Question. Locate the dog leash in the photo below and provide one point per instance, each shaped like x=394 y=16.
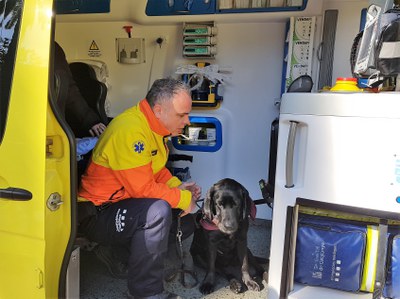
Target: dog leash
x=182 y=271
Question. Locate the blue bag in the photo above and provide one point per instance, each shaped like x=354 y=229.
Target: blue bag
x=330 y=254
x=392 y=285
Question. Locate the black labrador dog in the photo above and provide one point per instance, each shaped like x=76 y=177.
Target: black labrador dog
x=220 y=240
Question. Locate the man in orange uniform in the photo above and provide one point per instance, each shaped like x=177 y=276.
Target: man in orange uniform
x=133 y=191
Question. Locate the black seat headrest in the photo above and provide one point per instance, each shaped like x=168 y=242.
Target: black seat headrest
x=81 y=71
x=92 y=90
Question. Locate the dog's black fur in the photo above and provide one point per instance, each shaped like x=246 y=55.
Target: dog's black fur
x=224 y=250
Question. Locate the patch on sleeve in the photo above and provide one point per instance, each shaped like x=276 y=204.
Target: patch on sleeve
x=138 y=146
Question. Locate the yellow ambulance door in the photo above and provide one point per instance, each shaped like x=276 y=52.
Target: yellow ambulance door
x=36 y=218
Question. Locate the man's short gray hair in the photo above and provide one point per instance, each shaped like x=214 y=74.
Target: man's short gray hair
x=164 y=90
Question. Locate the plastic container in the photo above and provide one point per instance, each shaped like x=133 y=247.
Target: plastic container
x=346 y=85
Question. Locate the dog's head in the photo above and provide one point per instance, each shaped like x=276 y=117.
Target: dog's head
x=227 y=202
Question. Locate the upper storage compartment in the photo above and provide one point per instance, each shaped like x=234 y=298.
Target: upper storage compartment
x=244 y=6
x=198 y=7
x=82 y=6
x=180 y=7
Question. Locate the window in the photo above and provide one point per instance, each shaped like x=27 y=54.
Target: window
x=10 y=19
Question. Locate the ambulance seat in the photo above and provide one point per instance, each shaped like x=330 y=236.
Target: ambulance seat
x=61 y=89
x=94 y=91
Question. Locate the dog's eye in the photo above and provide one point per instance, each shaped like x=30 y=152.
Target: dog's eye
x=227 y=202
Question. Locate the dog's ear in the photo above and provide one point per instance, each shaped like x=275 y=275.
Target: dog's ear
x=209 y=203
x=246 y=209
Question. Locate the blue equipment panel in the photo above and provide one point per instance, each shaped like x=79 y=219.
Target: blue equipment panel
x=201 y=145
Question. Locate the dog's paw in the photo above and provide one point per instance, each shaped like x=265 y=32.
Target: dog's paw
x=252 y=285
x=206 y=288
x=236 y=286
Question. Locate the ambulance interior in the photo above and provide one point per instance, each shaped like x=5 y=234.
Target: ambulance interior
x=234 y=121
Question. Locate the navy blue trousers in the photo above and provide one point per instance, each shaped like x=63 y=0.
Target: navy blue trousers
x=143 y=226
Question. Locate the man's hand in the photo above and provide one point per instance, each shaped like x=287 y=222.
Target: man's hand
x=196 y=193
x=193 y=188
x=97 y=130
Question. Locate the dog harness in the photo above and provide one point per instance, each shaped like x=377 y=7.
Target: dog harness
x=207 y=224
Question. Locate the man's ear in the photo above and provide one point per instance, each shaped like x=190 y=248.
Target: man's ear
x=157 y=110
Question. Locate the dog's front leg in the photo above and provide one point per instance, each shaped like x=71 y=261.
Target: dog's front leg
x=248 y=281
x=208 y=283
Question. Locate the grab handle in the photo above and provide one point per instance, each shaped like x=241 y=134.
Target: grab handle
x=15 y=194
x=290 y=153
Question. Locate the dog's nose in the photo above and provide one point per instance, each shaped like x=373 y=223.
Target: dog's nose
x=231 y=225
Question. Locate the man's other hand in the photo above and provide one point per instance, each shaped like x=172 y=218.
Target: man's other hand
x=196 y=193
x=97 y=129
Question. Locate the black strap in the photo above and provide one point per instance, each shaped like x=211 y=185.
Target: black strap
x=112 y=195
x=108 y=203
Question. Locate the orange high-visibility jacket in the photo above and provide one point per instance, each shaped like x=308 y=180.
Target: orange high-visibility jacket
x=129 y=162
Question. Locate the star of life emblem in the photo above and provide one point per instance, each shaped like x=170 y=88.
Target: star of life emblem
x=138 y=146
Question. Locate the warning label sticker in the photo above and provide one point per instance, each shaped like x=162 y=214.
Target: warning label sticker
x=94 y=50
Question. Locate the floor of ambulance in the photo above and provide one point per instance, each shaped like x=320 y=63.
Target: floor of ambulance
x=96 y=283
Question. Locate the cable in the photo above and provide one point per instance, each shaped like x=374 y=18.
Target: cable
x=151 y=66
x=159 y=41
